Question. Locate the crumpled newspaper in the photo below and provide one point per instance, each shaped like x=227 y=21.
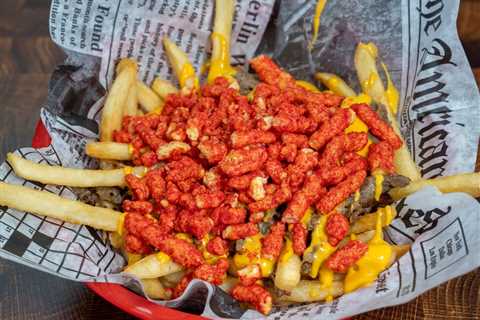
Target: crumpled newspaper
x=439 y=116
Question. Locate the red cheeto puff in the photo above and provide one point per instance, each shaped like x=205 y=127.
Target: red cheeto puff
x=156 y=184
x=377 y=126
x=270 y=73
x=134 y=244
x=380 y=156
x=240 y=139
x=142 y=207
x=215 y=273
x=339 y=122
x=340 y=192
x=256 y=295
x=334 y=175
x=272 y=243
x=213 y=149
x=240 y=231
x=345 y=257
x=299 y=238
x=139 y=189
x=182 y=252
x=241 y=161
x=217 y=246
x=336 y=228
x=312 y=190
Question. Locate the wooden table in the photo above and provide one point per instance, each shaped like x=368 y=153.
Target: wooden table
x=27 y=58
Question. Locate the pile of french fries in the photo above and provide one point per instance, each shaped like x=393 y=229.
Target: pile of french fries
x=129 y=96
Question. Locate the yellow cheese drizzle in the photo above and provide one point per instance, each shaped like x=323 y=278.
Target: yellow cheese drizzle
x=319 y=246
x=326 y=280
x=358 y=125
x=307 y=85
x=221 y=67
x=120 y=223
x=287 y=251
x=162 y=257
x=251 y=254
x=316 y=21
x=130 y=149
x=376 y=259
x=391 y=93
x=184 y=236
x=378 y=185
x=188 y=74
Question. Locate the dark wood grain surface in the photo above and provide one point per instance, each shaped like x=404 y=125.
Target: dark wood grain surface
x=27 y=58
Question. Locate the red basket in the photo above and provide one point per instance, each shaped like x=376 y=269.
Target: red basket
x=117 y=295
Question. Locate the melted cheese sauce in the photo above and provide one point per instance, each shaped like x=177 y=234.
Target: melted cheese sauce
x=287 y=251
x=307 y=85
x=358 y=125
x=391 y=93
x=162 y=257
x=251 y=254
x=316 y=21
x=120 y=223
x=319 y=246
x=326 y=280
x=378 y=185
x=220 y=66
x=376 y=260
x=187 y=76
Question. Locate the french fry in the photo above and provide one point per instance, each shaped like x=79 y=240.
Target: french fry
x=222 y=28
x=48 y=204
x=109 y=150
x=312 y=290
x=172 y=279
x=153 y=266
x=335 y=84
x=163 y=87
x=289 y=265
x=116 y=99
x=399 y=250
x=131 y=106
x=365 y=64
x=82 y=178
x=468 y=183
x=148 y=99
x=181 y=65
x=155 y=290
x=368 y=221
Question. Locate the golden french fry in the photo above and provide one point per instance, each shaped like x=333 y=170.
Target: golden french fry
x=83 y=178
x=365 y=64
x=312 y=290
x=289 y=265
x=335 y=84
x=181 y=65
x=222 y=28
x=155 y=290
x=163 y=87
x=172 y=279
x=116 y=99
x=368 y=221
x=148 y=99
x=48 y=204
x=153 y=266
x=131 y=106
x=468 y=183
x=109 y=150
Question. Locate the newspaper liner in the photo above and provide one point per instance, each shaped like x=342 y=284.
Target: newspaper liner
x=439 y=117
